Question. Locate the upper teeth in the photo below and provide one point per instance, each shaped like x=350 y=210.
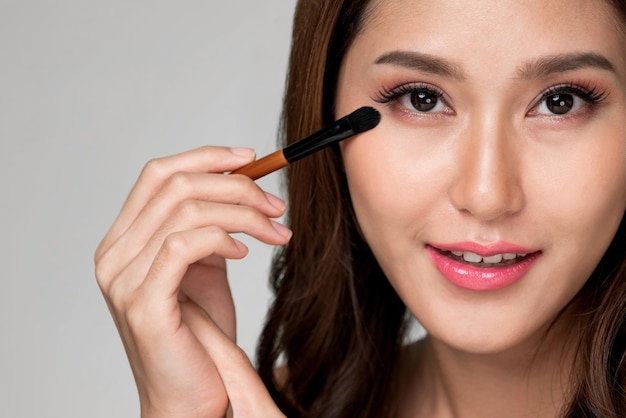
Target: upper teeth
x=494 y=259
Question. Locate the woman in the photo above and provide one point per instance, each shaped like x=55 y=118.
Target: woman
x=489 y=202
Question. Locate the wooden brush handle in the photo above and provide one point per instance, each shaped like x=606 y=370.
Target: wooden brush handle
x=263 y=166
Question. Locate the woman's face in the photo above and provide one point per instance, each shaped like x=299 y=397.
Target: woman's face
x=497 y=176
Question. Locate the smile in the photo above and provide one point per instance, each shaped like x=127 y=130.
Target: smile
x=489 y=271
x=497 y=260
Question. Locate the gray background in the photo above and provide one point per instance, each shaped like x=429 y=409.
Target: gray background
x=89 y=91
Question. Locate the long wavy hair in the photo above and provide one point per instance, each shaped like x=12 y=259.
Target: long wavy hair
x=336 y=323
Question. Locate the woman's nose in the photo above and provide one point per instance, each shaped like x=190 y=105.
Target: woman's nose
x=487 y=176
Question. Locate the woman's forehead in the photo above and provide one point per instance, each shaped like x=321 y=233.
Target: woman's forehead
x=507 y=30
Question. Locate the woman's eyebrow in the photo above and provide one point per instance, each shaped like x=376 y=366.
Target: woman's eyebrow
x=422 y=62
x=538 y=68
x=553 y=64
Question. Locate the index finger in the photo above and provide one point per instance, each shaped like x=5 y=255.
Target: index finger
x=208 y=159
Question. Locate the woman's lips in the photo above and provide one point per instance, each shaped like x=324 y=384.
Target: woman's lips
x=474 y=267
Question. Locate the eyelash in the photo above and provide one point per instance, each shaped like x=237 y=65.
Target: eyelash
x=591 y=95
x=588 y=93
x=391 y=95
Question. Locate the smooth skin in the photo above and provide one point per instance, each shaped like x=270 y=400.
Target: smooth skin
x=488 y=163
x=162 y=270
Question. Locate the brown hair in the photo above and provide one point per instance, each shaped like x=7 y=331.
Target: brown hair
x=336 y=321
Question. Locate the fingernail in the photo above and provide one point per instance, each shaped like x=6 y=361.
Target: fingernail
x=275 y=201
x=241 y=246
x=242 y=152
x=282 y=229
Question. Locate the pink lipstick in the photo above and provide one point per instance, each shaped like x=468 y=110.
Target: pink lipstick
x=472 y=266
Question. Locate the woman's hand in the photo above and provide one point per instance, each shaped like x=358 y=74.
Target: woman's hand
x=162 y=270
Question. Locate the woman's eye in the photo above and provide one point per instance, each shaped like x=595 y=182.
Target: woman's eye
x=422 y=101
x=415 y=98
x=567 y=100
x=560 y=104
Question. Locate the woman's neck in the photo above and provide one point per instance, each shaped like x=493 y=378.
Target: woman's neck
x=530 y=380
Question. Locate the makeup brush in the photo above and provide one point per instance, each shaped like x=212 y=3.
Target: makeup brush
x=361 y=120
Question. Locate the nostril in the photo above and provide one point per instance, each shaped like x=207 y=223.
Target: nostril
x=487 y=196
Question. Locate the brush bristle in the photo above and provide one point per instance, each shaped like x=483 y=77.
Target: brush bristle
x=364 y=119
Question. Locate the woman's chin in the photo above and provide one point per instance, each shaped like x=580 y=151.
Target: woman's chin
x=486 y=338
